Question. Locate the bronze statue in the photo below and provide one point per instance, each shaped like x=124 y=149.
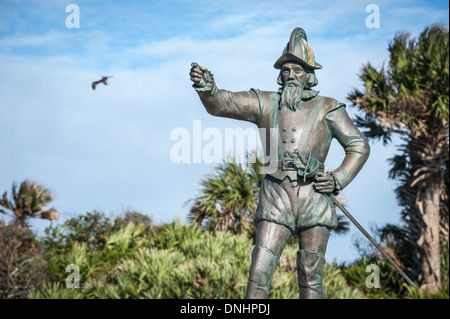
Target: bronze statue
x=295 y=198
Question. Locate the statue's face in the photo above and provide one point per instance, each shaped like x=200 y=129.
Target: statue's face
x=293 y=71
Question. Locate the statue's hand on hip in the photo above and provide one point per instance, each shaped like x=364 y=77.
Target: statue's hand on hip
x=202 y=78
x=324 y=183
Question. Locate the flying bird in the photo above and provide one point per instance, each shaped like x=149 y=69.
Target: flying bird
x=103 y=80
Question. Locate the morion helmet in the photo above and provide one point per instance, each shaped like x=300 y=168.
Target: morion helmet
x=298 y=50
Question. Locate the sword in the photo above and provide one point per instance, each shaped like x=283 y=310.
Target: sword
x=353 y=220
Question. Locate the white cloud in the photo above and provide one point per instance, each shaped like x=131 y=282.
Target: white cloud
x=30 y=40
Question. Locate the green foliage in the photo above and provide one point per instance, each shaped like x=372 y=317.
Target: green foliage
x=91 y=228
x=416 y=293
x=392 y=284
x=413 y=92
x=171 y=236
x=93 y=242
x=127 y=237
x=55 y=290
x=336 y=286
x=176 y=260
x=228 y=197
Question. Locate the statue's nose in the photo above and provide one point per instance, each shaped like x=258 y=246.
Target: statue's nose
x=291 y=75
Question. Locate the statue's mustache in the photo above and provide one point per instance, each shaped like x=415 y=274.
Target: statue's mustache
x=292 y=83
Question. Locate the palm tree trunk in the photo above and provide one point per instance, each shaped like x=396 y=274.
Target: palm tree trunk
x=428 y=205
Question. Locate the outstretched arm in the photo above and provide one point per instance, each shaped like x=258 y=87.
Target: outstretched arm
x=239 y=105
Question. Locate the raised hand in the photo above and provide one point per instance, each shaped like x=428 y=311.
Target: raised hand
x=201 y=77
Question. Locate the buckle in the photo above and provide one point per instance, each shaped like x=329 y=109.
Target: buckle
x=288 y=164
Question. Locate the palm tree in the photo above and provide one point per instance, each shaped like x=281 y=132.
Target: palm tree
x=228 y=198
x=411 y=99
x=28 y=200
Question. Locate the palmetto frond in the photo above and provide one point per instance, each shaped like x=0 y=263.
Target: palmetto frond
x=227 y=199
x=28 y=200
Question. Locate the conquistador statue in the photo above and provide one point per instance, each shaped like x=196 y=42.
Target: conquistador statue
x=295 y=196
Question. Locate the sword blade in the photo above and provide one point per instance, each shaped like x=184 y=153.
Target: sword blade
x=365 y=233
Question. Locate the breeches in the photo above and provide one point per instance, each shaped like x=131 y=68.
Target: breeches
x=295 y=205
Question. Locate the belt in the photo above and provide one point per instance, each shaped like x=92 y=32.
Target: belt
x=308 y=170
x=287 y=164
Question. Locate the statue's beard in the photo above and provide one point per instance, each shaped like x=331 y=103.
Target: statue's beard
x=291 y=95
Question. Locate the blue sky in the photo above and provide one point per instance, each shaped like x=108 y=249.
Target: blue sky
x=109 y=149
